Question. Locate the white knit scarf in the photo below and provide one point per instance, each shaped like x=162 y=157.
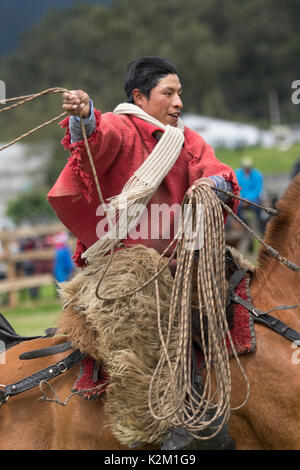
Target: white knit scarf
x=143 y=183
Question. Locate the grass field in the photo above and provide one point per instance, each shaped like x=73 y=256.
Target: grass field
x=32 y=317
x=268 y=161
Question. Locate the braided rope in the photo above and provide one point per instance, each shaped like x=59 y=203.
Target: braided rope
x=25 y=99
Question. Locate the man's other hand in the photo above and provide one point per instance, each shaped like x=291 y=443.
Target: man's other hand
x=199 y=182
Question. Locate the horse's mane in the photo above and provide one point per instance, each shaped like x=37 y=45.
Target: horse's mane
x=278 y=228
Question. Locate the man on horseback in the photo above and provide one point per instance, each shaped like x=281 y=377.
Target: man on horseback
x=143 y=154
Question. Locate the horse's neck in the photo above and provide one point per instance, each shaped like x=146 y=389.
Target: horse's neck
x=279 y=280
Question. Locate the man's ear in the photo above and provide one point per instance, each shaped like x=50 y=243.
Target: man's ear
x=139 y=97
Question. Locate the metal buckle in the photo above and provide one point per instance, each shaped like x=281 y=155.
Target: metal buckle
x=62 y=367
x=257 y=312
x=254 y=311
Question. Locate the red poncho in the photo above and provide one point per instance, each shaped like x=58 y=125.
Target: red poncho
x=119 y=145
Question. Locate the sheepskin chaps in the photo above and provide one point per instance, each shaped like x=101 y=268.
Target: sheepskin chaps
x=122 y=335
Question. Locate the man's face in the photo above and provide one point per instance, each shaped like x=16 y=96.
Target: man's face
x=247 y=169
x=164 y=102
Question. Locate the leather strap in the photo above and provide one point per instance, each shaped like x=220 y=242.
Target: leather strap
x=235 y=279
x=263 y=317
x=58 y=348
x=279 y=327
x=256 y=311
x=45 y=374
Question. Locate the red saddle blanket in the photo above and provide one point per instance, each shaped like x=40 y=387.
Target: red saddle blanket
x=93 y=380
x=242 y=331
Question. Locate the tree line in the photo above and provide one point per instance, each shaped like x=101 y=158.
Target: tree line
x=232 y=56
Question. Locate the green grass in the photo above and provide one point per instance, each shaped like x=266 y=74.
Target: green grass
x=268 y=161
x=32 y=317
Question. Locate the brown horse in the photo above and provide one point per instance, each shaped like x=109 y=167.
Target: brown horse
x=269 y=420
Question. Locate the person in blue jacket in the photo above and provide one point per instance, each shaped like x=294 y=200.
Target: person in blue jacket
x=251 y=183
x=63 y=263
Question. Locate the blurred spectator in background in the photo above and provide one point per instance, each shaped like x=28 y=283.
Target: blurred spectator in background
x=63 y=263
x=251 y=182
x=29 y=265
x=3 y=271
x=43 y=265
x=296 y=169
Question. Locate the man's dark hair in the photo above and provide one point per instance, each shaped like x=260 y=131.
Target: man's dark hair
x=144 y=74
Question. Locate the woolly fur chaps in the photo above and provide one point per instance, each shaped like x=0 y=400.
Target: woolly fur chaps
x=123 y=335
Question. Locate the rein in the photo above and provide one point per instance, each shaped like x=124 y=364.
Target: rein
x=270 y=249
x=260 y=316
x=46 y=374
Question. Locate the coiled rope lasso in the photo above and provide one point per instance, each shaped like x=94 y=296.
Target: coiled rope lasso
x=210 y=409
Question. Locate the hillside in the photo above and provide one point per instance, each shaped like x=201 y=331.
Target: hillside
x=18 y=17
x=233 y=64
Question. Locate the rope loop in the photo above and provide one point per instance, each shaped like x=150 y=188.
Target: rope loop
x=25 y=99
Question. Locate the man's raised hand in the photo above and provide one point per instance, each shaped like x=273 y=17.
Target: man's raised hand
x=76 y=102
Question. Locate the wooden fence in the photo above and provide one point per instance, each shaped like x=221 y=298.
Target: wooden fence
x=13 y=283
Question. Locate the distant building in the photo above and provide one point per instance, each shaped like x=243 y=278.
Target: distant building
x=228 y=134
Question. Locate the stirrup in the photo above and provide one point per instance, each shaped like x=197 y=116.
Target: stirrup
x=181 y=439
